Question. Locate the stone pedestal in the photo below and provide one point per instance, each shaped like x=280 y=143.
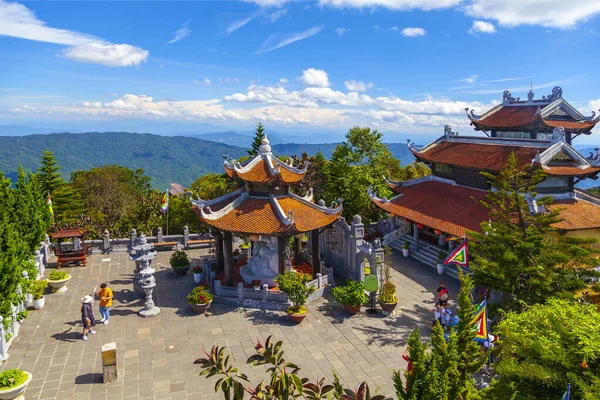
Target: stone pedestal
x=109 y=363
x=143 y=255
x=148 y=283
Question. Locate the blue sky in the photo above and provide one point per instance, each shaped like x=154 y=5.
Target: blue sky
x=301 y=67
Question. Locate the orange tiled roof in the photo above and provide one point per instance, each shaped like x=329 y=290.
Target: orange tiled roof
x=67 y=233
x=570 y=125
x=257 y=215
x=570 y=171
x=490 y=157
x=439 y=205
x=260 y=173
x=577 y=214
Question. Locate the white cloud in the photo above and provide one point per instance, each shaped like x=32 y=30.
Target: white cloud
x=18 y=21
x=357 y=86
x=550 y=13
x=392 y=4
x=482 y=27
x=470 y=80
x=340 y=31
x=275 y=42
x=315 y=78
x=235 y=25
x=275 y=15
x=205 y=82
x=181 y=32
x=393 y=28
x=283 y=81
x=411 y=32
x=267 y=3
x=229 y=80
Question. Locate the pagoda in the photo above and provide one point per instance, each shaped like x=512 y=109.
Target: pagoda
x=265 y=208
x=539 y=132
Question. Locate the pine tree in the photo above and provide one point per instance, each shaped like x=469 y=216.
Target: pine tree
x=29 y=209
x=515 y=254
x=50 y=177
x=258 y=137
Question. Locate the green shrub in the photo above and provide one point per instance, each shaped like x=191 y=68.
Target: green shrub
x=406 y=245
x=199 y=295
x=58 y=275
x=37 y=289
x=294 y=285
x=353 y=294
x=179 y=259
x=12 y=378
x=388 y=293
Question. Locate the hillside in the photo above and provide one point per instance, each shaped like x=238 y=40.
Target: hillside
x=165 y=159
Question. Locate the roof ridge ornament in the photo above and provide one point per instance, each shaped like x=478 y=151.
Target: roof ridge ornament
x=448 y=132
x=557 y=93
x=508 y=98
x=264 y=148
x=530 y=96
x=472 y=116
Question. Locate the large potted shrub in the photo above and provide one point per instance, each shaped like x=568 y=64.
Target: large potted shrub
x=58 y=281
x=180 y=262
x=200 y=299
x=294 y=285
x=387 y=294
x=36 y=288
x=13 y=383
x=352 y=296
x=441 y=267
x=406 y=249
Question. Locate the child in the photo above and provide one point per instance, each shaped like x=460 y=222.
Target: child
x=87 y=316
x=437 y=312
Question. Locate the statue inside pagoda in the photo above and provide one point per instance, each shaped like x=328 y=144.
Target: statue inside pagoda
x=263 y=265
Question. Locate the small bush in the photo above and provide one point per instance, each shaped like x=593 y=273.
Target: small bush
x=294 y=285
x=388 y=293
x=37 y=289
x=179 y=259
x=199 y=295
x=12 y=378
x=58 y=275
x=353 y=294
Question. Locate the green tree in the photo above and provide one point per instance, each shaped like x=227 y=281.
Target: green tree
x=259 y=135
x=546 y=347
x=50 y=177
x=443 y=369
x=515 y=253
x=211 y=186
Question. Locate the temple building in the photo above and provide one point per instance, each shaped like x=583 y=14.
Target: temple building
x=539 y=132
x=265 y=208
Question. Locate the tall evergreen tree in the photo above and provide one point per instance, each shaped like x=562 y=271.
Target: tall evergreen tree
x=515 y=254
x=259 y=135
x=49 y=172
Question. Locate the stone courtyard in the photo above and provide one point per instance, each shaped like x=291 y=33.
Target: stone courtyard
x=155 y=356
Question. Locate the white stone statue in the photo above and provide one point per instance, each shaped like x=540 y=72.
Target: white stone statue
x=263 y=265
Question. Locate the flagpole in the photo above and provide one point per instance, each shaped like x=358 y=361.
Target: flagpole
x=167 y=220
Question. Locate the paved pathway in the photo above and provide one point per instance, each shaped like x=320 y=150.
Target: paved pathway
x=155 y=356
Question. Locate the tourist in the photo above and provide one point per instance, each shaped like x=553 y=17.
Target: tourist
x=106 y=295
x=437 y=312
x=406 y=357
x=446 y=316
x=87 y=316
x=443 y=293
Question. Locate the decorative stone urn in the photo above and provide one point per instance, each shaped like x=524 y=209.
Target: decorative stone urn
x=59 y=286
x=16 y=393
x=39 y=304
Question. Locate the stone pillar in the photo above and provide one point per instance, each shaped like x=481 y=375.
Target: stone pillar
x=415 y=237
x=106 y=242
x=38 y=259
x=281 y=243
x=28 y=296
x=219 y=250
x=45 y=251
x=228 y=257
x=316 y=256
x=186 y=236
x=133 y=236
x=109 y=363
x=442 y=239
x=3 y=344
x=379 y=256
x=297 y=250
x=159 y=235
x=357 y=233
x=240 y=291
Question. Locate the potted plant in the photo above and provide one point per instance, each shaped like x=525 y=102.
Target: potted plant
x=387 y=295
x=406 y=249
x=179 y=262
x=294 y=285
x=197 y=271
x=200 y=299
x=13 y=383
x=352 y=296
x=37 y=292
x=441 y=267
x=256 y=284
x=58 y=281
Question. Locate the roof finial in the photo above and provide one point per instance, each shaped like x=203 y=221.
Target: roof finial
x=530 y=94
x=264 y=147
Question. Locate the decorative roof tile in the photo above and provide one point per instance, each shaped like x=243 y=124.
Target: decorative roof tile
x=306 y=216
x=577 y=214
x=570 y=171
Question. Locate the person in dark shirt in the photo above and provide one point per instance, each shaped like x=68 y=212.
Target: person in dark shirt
x=443 y=294
x=87 y=316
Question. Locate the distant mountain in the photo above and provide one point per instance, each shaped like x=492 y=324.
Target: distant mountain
x=232 y=138
x=20 y=130
x=165 y=159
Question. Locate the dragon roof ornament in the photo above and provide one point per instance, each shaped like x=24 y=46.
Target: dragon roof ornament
x=556 y=94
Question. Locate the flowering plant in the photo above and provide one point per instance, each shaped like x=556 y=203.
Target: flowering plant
x=197 y=269
x=199 y=295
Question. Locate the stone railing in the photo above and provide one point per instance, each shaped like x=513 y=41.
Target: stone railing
x=263 y=298
x=109 y=245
